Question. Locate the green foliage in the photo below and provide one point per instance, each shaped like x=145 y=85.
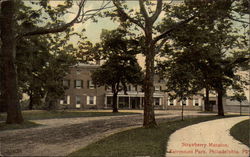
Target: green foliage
x=121 y=67
x=42 y=61
x=182 y=77
x=206 y=52
x=239 y=96
x=117 y=72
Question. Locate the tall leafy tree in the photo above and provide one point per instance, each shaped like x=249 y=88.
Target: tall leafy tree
x=10 y=35
x=240 y=97
x=121 y=67
x=153 y=36
x=42 y=64
x=206 y=44
x=117 y=72
x=145 y=21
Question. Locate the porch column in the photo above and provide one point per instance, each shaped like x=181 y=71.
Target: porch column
x=117 y=99
x=105 y=100
x=129 y=105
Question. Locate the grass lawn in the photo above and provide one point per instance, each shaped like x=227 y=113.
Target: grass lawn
x=241 y=132
x=139 y=141
x=39 y=114
x=26 y=124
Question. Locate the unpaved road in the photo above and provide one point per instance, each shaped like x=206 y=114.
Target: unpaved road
x=59 y=137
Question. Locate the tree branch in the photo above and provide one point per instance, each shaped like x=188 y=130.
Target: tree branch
x=91 y=15
x=57 y=29
x=125 y=15
x=176 y=26
x=161 y=44
x=158 y=10
x=241 y=21
x=142 y=9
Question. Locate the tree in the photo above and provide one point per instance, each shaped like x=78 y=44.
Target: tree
x=240 y=97
x=41 y=66
x=117 y=72
x=204 y=46
x=145 y=20
x=9 y=71
x=57 y=67
x=10 y=36
x=121 y=67
x=181 y=77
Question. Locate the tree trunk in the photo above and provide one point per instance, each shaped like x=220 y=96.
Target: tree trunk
x=182 y=112
x=31 y=101
x=240 y=109
x=149 y=116
x=207 y=105
x=14 y=115
x=50 y=102
x=114 y=105
x=220 y=102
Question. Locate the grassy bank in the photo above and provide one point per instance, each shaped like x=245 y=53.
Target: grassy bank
x=39 y=114
x=138 y=142
x=241 y=132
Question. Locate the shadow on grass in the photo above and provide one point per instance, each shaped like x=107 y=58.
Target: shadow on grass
x=36 y=115
x=26 y=124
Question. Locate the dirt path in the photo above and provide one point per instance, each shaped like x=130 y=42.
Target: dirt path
x=207 y=139
x=59 y=137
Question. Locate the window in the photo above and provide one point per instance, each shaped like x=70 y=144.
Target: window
x=133 y=88
x=183 y=102
x=171 y=102
x=91 y=85
x=91 y=100
x=108 y=88
x=78 y=72
x=78 y=84
x=109 y=101
x=123 y=102
x=78 y=99
x=157 y=101
x=66 y=83
x=196 y=102
x=65 y=100
x=157 y=88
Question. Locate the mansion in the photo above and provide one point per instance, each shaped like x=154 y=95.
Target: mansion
x=83 y=94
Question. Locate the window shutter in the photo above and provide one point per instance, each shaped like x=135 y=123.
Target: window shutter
x=61 y=102
x=75 y=83
x=82 y=83
x=68 y=99
x=69 y=83
x=88 y=83
x=87 y=100
x=94 y=100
